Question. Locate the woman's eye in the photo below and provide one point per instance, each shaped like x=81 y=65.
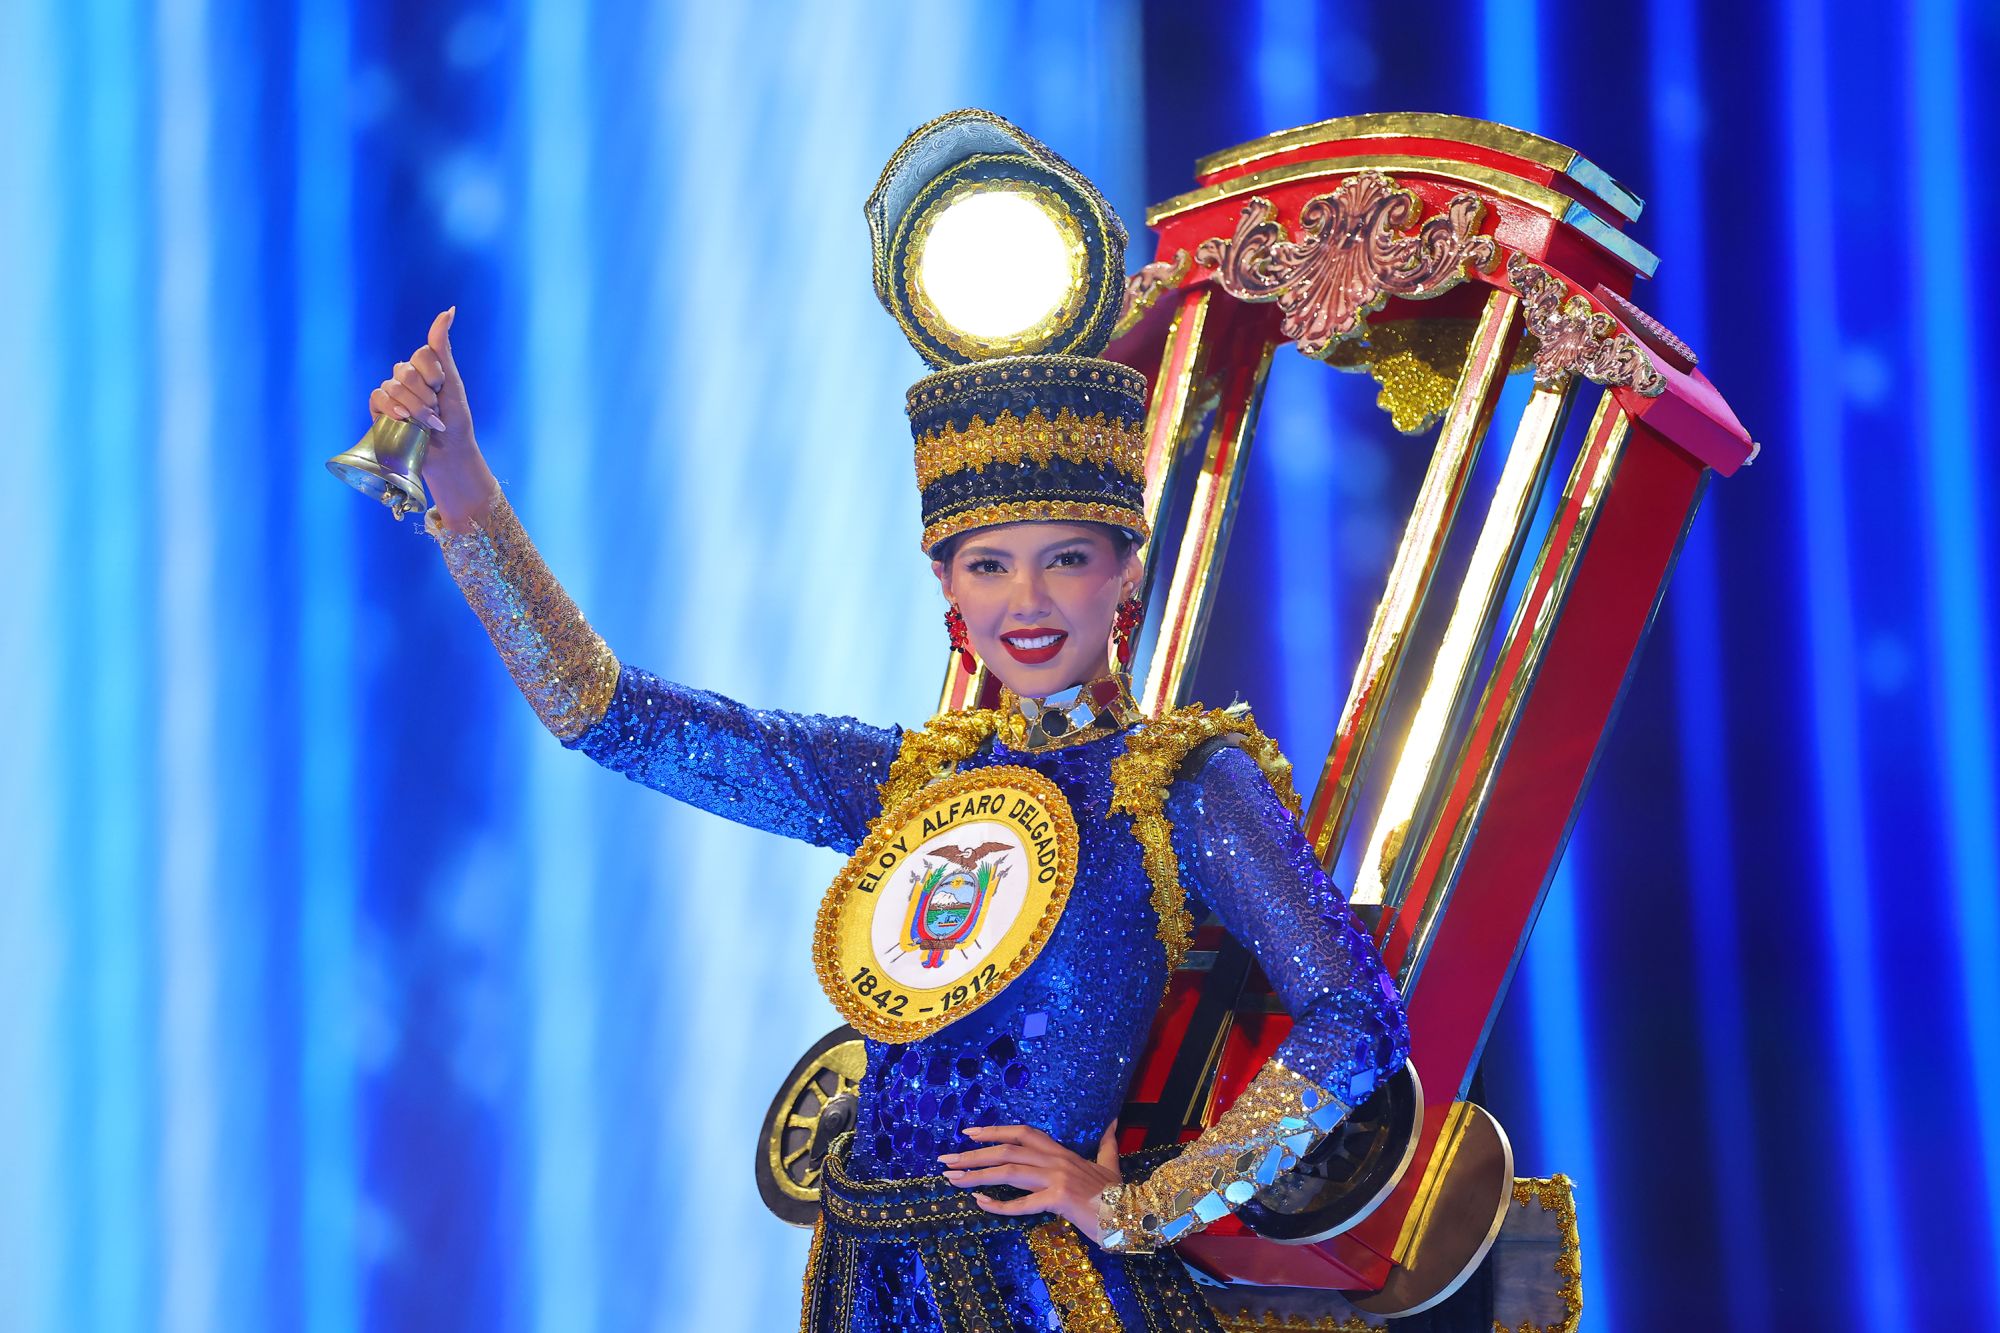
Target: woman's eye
x=985 y=565
x=1071 y=559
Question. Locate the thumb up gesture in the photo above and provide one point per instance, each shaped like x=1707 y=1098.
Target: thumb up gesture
x=428 y=390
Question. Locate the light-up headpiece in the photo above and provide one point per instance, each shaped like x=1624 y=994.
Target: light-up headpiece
x=1005 y=268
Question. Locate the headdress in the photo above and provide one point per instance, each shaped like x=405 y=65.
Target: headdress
x=1005 y=268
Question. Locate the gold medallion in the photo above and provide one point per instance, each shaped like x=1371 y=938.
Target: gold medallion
x=950 y=897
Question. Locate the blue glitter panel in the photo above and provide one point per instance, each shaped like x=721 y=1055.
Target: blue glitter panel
x=1057 y=1048
x=1243 y=854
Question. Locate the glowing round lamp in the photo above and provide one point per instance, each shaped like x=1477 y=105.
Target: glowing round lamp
x=997 y=270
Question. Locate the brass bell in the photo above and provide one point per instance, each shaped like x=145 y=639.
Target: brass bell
x=388 y=464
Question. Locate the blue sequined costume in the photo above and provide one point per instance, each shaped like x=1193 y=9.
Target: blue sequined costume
x=1057 y=1048
x=898 y=1248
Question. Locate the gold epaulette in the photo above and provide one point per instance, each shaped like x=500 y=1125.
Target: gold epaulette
x=934 y=749
x=1140 y=779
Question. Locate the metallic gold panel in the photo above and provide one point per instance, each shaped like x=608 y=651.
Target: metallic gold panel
x=1541 y=198
x=1419 y=774
x=1177 y=401
x=1197 y=564
x=1555 y=565
x=1429 y=125
x=1431 y=519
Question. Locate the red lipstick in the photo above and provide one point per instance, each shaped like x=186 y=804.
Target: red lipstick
x=1037 y=655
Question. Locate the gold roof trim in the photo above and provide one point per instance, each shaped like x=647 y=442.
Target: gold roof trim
x=1433 y=125
x=1506 y=184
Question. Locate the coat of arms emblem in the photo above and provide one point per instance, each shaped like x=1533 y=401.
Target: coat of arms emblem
x=949 y=898
x=953 y=893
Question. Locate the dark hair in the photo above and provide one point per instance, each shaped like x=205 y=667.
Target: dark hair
x=1122 y=541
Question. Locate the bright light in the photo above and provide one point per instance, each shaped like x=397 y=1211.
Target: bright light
x=995 y=264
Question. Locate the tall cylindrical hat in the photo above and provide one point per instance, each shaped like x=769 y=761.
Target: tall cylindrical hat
x=1005 y=268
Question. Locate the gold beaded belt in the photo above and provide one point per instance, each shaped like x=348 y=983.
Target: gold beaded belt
x=950 y=1231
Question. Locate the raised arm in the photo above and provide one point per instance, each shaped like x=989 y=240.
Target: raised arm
x=801 y=775
x=1242 y=854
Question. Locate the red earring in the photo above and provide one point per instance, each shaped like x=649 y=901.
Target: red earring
x=1130 y=612
x=961 y=642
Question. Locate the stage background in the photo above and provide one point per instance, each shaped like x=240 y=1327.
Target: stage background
x=338 y=996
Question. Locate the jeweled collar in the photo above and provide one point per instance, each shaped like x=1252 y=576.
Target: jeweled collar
x=1068 y=717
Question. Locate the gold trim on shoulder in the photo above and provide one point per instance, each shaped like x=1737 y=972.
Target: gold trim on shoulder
x=951 y=896
x=1139 y=781
x=934 y=749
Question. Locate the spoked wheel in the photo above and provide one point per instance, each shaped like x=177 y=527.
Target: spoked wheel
x=814 y=1106
x=1348 y=1173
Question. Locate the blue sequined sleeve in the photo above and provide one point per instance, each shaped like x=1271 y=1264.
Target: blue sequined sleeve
x=800 y=774
x=1243 y=854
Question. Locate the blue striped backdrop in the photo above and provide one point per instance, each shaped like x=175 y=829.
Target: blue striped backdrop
x=339 y=997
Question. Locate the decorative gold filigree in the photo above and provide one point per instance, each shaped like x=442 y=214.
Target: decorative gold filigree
x=1555 y=1194
x=1099 y=439
x=1574 y=337
x=1650 y=331
x=1073 y=1281
x=1352 y=255
x=1143 y=289
x=934 y=750
x=1139 y=781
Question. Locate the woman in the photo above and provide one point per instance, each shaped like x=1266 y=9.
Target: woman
x=1024 y=879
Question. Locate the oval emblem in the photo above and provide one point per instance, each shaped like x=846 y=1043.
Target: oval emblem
x=949 y=898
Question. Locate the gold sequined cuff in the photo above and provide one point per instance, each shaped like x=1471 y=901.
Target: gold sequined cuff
x=1276 y=1121
x=565 y=671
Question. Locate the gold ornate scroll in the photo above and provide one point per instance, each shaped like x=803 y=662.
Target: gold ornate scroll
x=1576 y=338
x=1143 y=288
x=1352 y=255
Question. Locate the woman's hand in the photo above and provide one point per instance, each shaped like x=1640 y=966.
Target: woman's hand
x=428 y=390
x=1057 y=1180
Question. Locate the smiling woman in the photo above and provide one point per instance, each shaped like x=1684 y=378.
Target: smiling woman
x=1022 y=880
x=1039 y=600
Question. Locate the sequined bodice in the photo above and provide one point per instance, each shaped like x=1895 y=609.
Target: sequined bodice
x=1057 y=1047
